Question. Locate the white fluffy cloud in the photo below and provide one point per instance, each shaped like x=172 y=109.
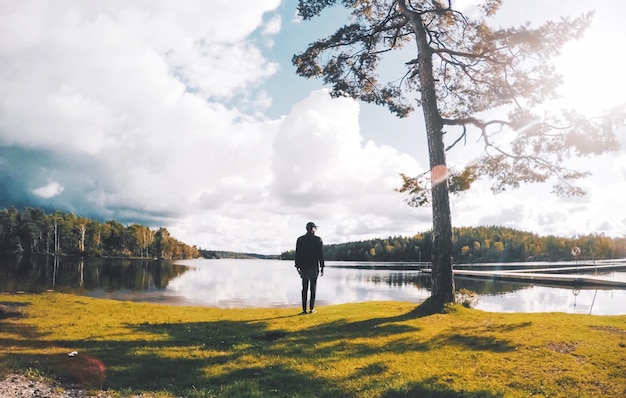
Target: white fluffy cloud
x=153 y=112
x=137 y=107
x=86 y=76
x=48 y=191
x=314 y=167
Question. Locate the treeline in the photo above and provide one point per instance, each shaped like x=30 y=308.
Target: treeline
x=33 y=231
x=478 y=245
x=215 y=254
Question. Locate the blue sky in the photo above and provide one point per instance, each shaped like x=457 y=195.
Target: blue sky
x=189 y=115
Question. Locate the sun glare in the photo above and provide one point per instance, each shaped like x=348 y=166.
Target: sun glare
x=592 y=69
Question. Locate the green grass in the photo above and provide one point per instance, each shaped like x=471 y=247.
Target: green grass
x=374 y=349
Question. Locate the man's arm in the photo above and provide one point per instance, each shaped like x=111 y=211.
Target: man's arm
x=321 y=257
x=298 y=254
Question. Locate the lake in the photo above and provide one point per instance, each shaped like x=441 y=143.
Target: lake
x=275 y=283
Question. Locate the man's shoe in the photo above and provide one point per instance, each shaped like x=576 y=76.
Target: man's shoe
x=303 y=313
x=312 y=312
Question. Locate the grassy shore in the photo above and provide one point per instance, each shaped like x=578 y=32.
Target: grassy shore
x=373 y=349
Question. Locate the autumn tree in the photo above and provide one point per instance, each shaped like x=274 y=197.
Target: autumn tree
x=471 y=80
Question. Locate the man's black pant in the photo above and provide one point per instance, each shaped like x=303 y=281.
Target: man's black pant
x=306 y=284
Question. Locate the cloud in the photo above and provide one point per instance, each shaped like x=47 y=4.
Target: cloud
x=316 y=167
x=155 y=112
x=151 y=114
x=82 y=77
x=48 y=191
x=126 y=108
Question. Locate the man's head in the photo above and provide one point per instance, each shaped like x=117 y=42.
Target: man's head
x=311 y=227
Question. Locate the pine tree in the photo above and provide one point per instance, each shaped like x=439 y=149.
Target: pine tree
x=461 y=68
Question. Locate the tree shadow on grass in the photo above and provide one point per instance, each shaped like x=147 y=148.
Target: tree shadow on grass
x=173 y=357
x=219 y=358
x=433 y=388
x=213 y=355
x=10 y=309
x=10 y=313
x=477 y=343
x=273 y=381
x=357 y=339
x=206 y=359
x=200 y=359
x=482 y=338
x=381 y=326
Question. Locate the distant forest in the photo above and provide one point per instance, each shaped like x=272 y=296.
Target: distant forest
x=33 y=231
x=214 y=254
x=478 y=245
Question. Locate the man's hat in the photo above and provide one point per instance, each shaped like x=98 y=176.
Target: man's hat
x=310 y=225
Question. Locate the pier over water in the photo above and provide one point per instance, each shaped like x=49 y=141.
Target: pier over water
x=561 y=273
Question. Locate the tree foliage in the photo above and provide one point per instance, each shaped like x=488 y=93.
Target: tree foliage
x=478 y=71
x=34 y=231
x=470 y=79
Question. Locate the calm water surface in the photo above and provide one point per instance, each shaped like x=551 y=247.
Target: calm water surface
x=273 y=283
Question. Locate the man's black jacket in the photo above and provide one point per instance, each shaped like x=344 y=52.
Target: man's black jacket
x=309 y=251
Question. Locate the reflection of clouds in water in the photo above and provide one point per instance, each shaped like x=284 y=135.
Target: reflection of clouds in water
x=551 y=299
x=345 y=285
x=274 y=283
x=236 y=283
x=269 y=283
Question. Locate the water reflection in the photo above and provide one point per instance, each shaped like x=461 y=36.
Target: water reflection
x=547 y=299
x=35 y=274
x=268 y=283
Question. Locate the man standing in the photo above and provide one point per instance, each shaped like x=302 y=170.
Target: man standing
x=309 y=262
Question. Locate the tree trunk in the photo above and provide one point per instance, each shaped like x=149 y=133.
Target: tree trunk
x=81 y=245
x=442 y=278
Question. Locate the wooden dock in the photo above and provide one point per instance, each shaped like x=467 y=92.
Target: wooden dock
x=570 y=269
x=552 y=275
x=540 y=278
